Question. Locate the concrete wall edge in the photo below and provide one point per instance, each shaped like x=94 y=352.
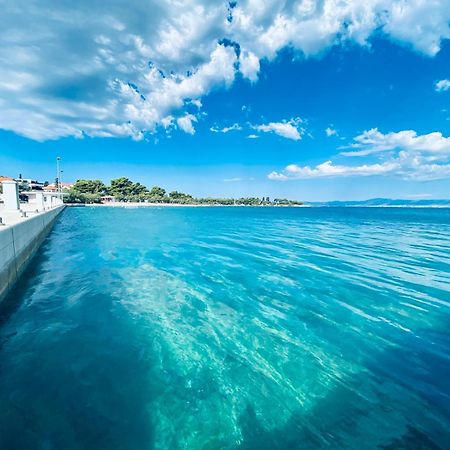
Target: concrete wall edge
x=19 y=243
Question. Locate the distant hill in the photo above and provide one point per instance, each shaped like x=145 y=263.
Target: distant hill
x=386 y=202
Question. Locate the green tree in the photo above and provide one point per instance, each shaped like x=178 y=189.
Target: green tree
x=95 y=187
x=157 y=191
x=249 y=201
x=124 y=189
x=138 y=189
x=74 y=196
x=180 y=197
x=121 y=187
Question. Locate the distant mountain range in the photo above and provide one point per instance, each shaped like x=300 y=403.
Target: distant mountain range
x=386 y=202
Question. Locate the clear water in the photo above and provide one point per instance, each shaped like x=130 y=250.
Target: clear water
x=208 y=328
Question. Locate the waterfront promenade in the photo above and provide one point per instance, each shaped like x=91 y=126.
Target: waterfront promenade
x=13 y=211
x=23 y=228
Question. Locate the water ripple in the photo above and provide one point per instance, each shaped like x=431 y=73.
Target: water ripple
x=232 y=327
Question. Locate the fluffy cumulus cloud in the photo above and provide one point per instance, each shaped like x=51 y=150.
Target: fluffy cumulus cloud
x=442 y=85
x=249 y=65
x=288 y=129
x=122 y=68
x=402 y=154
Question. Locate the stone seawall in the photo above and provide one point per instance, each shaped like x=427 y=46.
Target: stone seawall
x=19 y=243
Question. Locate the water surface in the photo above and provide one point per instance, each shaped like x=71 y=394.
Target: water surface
x=230 y=328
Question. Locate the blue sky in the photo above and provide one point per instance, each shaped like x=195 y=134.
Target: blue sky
x=357 y=106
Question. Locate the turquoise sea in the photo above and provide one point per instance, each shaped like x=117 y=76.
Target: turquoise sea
x=230 y=328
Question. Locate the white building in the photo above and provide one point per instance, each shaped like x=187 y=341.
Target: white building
x=29 y=184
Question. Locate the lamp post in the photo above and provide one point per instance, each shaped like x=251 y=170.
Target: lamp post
x=61 y=184
x=58 y=172
x=58 y=176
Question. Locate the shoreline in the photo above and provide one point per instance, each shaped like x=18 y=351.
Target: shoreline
x=183 y=205
x=175 y=205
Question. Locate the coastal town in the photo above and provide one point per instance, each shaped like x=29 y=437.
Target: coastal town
x=21 y=198
x=28 y=210
x=29 y=195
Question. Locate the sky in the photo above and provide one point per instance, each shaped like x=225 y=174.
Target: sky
x=310 y=100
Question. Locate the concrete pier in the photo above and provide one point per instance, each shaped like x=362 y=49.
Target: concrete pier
x=19 y=243
x=23 y=227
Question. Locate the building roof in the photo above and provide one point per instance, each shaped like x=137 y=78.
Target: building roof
x=62 y=184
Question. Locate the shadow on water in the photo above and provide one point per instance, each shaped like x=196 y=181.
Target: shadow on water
x=393 y=413
x=77 y=377
x=26 y=284
x=28 y=279
x=330 y=424
x=91 y=391
x=412 y=439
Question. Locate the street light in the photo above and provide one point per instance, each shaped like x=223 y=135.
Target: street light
x=58 y=173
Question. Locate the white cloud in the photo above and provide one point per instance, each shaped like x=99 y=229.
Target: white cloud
x=311 y=26
x=420 y=23
x=288 y=129
x=442 y=85
x=402 y=167
x=234 y=127
x=404 y=154
x=167 y=121
x=330 y=131
x=328 y=169
x=197 y=103
x=185 y=123
x=75 y=69
x=249 y=65
x=373 y=141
